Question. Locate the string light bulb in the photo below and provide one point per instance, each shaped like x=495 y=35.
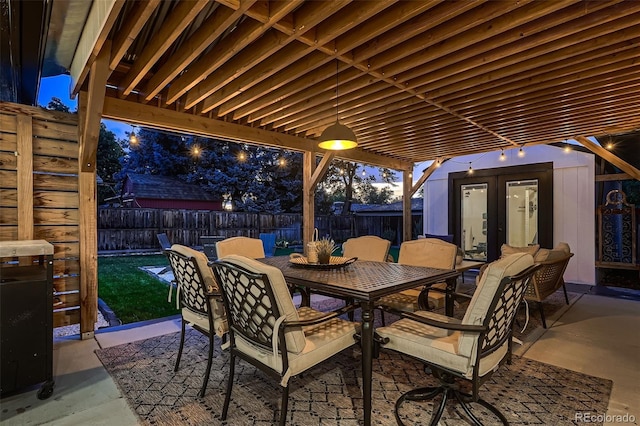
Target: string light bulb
x=610 y=144
x=242 y=156
x=567 y=148
x=503 y=157
x=470 y=169
x=133 y=139
x=521 y=152
x=282 y=162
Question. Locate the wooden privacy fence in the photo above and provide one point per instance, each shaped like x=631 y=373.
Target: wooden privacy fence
x=136 y=229
x=131 y=229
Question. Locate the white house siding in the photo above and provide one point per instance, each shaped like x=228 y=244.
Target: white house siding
x=573 y=200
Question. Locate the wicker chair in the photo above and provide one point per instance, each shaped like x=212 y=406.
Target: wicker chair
x=266 y=330
x=470 y=349
x=200 y=300
x=547 y=280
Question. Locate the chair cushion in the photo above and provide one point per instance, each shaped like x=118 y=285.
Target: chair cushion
x=321 y=342
x=203 y=264
x=294 y=336
x=506 y=249
x=244 y=246
x=220 y=325
x=429 y=252
x=407 y=300
x=368 y=247
x=436 y=345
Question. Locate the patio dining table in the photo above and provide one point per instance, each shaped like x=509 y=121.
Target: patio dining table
x=366 y=282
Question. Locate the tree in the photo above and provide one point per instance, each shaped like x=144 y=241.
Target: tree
x=344 y=181
x=55 y=104
x=108 y=163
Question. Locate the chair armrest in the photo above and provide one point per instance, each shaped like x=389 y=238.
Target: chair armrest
x=321 y=318
x=440 y=324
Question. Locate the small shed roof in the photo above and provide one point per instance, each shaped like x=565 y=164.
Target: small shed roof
x=392 y=209
x=165 y=188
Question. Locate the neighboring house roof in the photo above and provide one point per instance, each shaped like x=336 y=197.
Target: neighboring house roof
x=165 y=188
x=386 y=209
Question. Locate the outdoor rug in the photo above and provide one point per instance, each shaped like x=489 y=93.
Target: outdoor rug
x=527 y=392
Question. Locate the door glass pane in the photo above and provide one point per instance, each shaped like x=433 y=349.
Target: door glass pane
x=522 y=213
x=474 y=221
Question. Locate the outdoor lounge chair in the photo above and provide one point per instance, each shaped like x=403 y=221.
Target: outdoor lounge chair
x=470 y=349
x=266 y=330
x=200 y=300
x=548 y=279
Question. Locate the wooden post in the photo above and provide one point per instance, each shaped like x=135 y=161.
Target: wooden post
x=24 y=154
x=89 y=114
x=406 y=204
x=308 y=205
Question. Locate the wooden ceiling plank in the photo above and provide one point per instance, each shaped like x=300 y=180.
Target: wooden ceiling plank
x=305 y=19
x=241 y=37
x=595 y=83
x=287 y=55
x=176 y=22
x=324 y=103
x=609 y=156
x=309 y=85
x=564 y=62
x=457 y=52
x=413 y=27
x=101 y=19
x=325 y=32
x=269 y=43
x=165 y=119
x=532 y=48
x=255 y=99
x=470 y=21
x=558 y=106
x=135 y=21
x=534 y=86
x=215 y=25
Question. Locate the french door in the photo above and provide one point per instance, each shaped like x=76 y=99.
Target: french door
x=512 y=205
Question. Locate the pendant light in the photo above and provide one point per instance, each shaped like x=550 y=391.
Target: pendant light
x=337 y=136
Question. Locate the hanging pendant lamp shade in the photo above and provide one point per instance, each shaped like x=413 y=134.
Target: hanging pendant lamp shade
x=337 y=136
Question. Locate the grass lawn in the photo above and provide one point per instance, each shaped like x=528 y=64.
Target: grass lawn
x=131 y=293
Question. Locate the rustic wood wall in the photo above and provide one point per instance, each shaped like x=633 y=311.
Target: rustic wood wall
x=39 y=193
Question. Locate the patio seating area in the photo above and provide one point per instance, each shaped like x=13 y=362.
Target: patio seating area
x=593 y=336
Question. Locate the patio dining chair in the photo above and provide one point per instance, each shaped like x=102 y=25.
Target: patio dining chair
x=367 y=247
x=471 y=349
x=266 y=330
x=201 y=304
x=429 y=252
x=243 y=246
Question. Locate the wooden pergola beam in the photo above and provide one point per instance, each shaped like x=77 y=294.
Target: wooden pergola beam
x=610 y=157
x=90 y=130
x=321 y=170
x=165 y=119
x=432 y=168
x=406 y=205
